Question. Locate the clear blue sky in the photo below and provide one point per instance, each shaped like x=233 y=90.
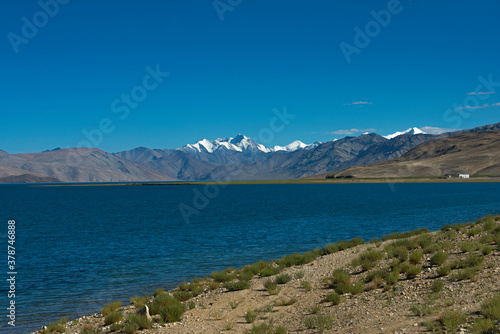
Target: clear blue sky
x=226 y=76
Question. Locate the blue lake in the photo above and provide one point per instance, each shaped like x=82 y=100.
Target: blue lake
x=78 y=248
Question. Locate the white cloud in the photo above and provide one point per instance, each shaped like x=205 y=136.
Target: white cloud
x=350 y=132
x=480 y=93
x=435 y=130
x=357 y=103
x=486 y=105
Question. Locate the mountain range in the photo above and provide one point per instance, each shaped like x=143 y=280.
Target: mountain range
x=237 y=158
x=474 y=153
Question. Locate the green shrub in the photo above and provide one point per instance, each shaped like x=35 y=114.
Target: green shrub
x=463 y=274
x=213 y=285
x=474 y=231
x=182 y=295
x=341 y=245
x=489 y=223
x=422 y=310
x=306 y=285
x=315 y=309
x=371 y=255
x=447 y=245
x=367 y=265
x=113 y=317
x=172 y=313
x=402 y=267
x=250 y=316
x=400 y=253
x=466 y=246
x=357 y=288
x=158 y=292
x=368 y=259
x=169 y=308
x=333 y=298
x=140 y=321
x=487 y=238
x=491 y=308
x=271 y=286
x=280 y=330
x=246 y=275
x=459 y=226
x=393 y=278
x=413 y=271
x=56 y=327
x=432 y=248
x=439 y=258
x=263 y=328
x=415 y=257
x=340 y=281
x=291 y=260
x=496 y=238
x=437 y=286
x=405 y=235
x=309 y=257
x=330 y=249
x=376 y=274
x=424 y=240
x=196 y=291
x=222 y=276
x=111 y=307
x=299 y=274
x=268 y=271
x=452 y=319
x=356 y=242
x=113 y=328
x=130 y=327
x=256 y=267
x=237 y=286
x=319 y=322
x=283 y=278
x=139 y=301
x=473 y=260
x=482 y=326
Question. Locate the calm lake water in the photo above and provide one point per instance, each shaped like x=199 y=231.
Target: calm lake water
x=78 y=248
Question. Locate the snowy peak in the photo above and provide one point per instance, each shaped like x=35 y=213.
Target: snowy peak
x=410 y=131
x=294 y=146
x=239 y=143
x=242 y=143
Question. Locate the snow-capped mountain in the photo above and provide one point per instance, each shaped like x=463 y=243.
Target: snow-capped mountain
x=242 y=143
x=294 y=146
x=410 y=131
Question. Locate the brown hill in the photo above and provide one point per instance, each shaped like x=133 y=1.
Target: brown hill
x=93 y=166
x=470 y=153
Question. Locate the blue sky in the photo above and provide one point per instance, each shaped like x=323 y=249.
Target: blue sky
x=231 y=64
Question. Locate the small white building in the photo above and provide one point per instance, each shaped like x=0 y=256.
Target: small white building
x=463 y=176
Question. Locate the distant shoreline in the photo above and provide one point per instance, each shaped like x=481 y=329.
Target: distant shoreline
x=293 y=181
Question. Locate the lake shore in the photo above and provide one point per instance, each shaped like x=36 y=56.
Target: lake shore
x=408 y=283
x=308 y=180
